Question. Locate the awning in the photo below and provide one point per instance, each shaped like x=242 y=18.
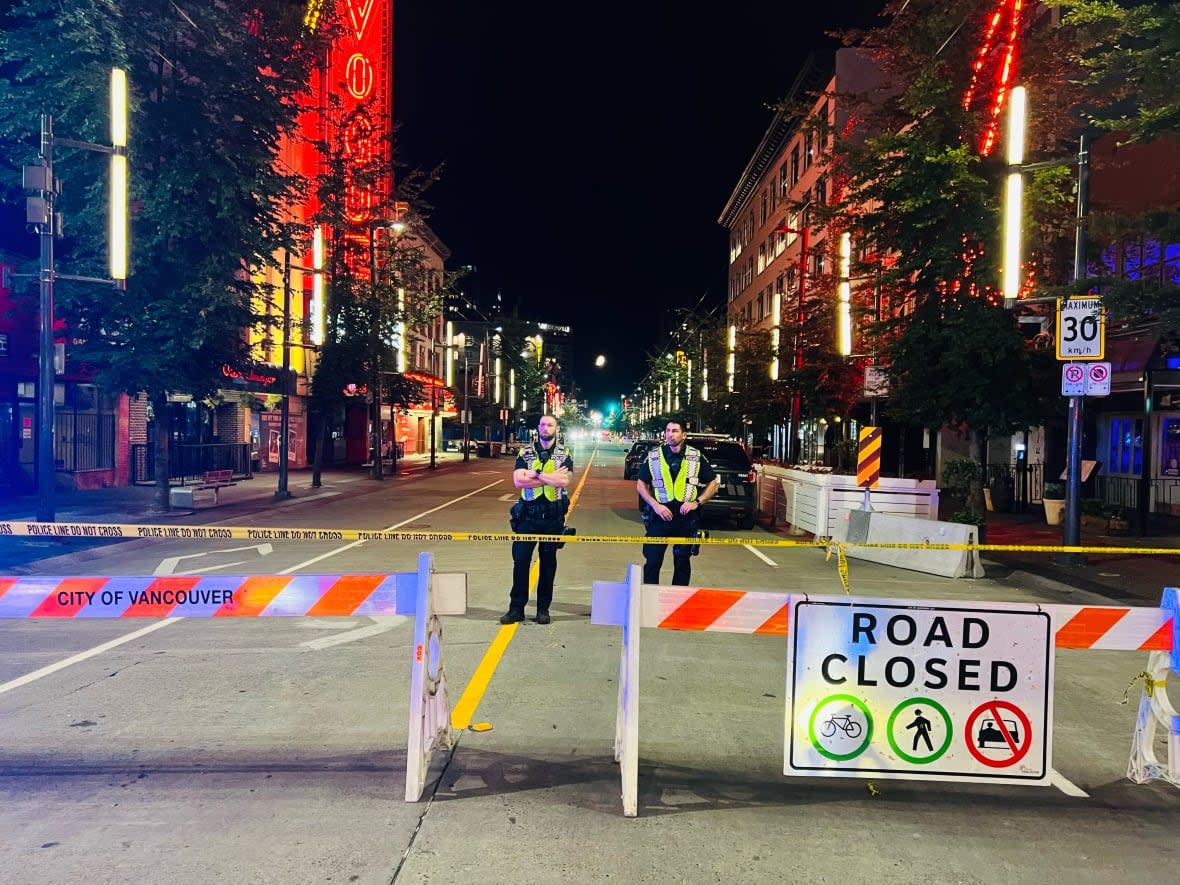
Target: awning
x=1129 y=356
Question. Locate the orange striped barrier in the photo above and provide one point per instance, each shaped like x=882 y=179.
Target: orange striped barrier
x=1097 y=627
x=208 y=596
x=633 y=605
x=423 y=595
x=868 y=458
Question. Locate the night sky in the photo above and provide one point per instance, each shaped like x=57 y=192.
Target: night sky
x=589 y=152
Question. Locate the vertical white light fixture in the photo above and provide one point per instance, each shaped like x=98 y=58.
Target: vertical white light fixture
x=844 y=292
x=399 y=334
x=450 y=353
x=730 y=359
x=1014 y=195
x=117 y=242
x=317 y=285
x=776 y=317
x=512 y=388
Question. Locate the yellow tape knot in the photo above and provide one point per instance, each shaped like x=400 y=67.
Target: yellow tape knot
x=1149 y=685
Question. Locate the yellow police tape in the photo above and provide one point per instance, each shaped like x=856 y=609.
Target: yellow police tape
x=115 y=531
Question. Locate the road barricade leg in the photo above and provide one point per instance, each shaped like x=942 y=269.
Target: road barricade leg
x=1155 y=709
x=627 y=711
x=430 y=705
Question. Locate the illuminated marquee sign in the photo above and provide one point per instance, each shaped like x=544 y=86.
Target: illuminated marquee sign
x=359 y=75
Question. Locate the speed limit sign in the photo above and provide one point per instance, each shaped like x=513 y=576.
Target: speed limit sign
x=1081 y=328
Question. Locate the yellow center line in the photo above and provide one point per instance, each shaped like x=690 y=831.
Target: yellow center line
x=464 y=710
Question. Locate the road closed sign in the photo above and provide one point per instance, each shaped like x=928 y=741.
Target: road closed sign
x=889 y=689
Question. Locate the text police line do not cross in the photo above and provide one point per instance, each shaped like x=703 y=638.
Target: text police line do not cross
x=901 y=672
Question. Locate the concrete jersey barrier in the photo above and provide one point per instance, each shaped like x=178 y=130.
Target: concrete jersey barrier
x=870 y=527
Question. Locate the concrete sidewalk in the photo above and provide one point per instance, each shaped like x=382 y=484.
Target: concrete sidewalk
x=1116 y=572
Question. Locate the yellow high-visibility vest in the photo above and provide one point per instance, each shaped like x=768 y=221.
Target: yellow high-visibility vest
x=682 y=487
x=556 y=459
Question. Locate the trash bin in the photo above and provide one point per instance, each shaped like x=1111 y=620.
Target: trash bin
x=483 y=450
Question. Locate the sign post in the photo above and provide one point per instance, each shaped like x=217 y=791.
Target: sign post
x=1081 y=335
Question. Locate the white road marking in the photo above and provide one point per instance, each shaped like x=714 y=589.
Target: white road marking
x=83 y=655
x=168 y=566
x=384 y=624
x=1068 y=787
x=391 y=528
x=770 y=562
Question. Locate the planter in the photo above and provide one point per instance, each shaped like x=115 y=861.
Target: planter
x=1054 y=510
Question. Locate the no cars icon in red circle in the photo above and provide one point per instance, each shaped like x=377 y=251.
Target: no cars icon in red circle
x=998 y=734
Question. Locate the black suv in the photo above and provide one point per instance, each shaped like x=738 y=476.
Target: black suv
x=735 y=498
x=635 y=457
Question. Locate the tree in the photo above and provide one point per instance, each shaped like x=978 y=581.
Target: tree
x=916 y=187
x=213 y=90
x=1129 y=51
x=1129 y=54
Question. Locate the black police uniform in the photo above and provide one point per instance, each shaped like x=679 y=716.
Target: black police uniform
x=680 y=526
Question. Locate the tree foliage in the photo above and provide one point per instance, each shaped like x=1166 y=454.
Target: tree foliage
x=1130 y=51
x=213 y=90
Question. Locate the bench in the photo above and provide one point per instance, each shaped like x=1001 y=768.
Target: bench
x=213 y=480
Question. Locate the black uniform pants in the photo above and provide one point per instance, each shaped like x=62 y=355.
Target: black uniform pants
x=653 y=554
x=522 y=559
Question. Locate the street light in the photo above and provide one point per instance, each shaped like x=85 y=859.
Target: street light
x=460 y=340
x=41 y=213
x=398 y=226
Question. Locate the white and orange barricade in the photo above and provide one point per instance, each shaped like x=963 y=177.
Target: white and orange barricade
x=423 y=595
x=993 y=732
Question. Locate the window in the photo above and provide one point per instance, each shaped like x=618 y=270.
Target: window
x=763 y=208
x=783 y=184
x=761 y=305
x=821 y=192
x=773 y=200
x=761 y=257
x=808 y=148
x=1125 y=456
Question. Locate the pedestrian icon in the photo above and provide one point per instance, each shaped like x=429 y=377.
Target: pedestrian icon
x=920 y=730
x=922 y=733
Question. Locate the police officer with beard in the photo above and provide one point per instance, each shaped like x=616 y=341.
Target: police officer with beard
x=543 y=473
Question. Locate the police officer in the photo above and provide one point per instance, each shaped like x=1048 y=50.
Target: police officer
x=674 y=481
x=543 y=473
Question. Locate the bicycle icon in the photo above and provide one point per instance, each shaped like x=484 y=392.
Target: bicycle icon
x=846 y=724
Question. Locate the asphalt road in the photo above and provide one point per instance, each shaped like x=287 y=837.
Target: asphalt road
x=273 y=749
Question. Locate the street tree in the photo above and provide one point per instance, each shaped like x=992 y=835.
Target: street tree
x=1128 y=52
x=213 y=90
x=914 y=184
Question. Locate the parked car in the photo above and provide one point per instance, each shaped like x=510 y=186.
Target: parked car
x=635 y=456
x=735 y=498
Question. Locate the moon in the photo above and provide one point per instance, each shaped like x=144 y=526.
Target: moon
x=600 y=361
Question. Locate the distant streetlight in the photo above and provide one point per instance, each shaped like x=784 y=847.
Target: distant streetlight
x=600 y=361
